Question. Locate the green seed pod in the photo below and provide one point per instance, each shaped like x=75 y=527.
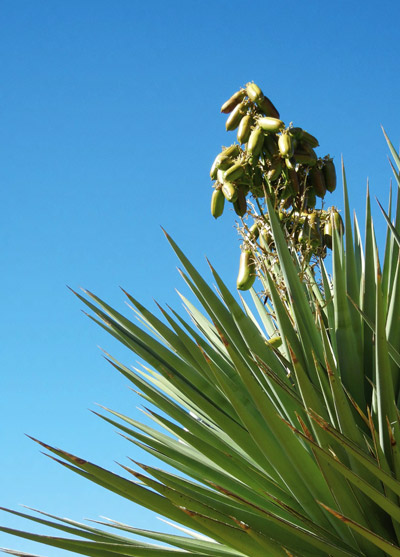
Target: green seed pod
x=253 y=92
x=311 y=199
x=317 y=182
x=220 y=176
x=224 y=160
x=231 y=103
x=328 y=235
x=240 y=205
x=301 y=236
x=232 y=151
x=305 y=159
x=267 y=107
x=235 y=117
x=255 y=142
x=285 y=145
x=294 y=180
x=244 y=181
x=274 y=171
x=337 y=221
x=274 y=342
x=239 y=209
x=243 y=188
x=266 y=237
x=269 y=124
x=229 y=191
x=254 y=231
x=313 y=222
x=257 y=185
x=290 y=163
x=271 y=145
x=217 y=203
x=214 y=170
x=244 y=130
x=310 y=139
x=300 y=218
x=296 y=133
x=257 y=177
x=233 y=173
x=310 y=231
x=329 y=175
x=247 y=271
x=304 y=148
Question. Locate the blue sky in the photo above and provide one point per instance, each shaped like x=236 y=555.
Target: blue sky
x=110 y=122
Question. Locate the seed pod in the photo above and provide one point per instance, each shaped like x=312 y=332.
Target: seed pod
x=300 y=218
x=328 y=235
x=257 y=186
x=269 y=124
x=255 y=143
x=220 y=176
x=244 y=181
x=267 y=107
x=266 y=238
x=235 y=99
x=285 y=145
x=247 y=271
x=222 y=162
x=310 y=139
x=232 y=151
x=329 y=175
x=229 y=191
x=274 y=342
x=233 y=173
x=317 y=182
x=240 y=205
x=313 y=222
x=301 y=236
x=305 y=160
x=217 y=203
x=311 y=199
x=254 y=231
x=271 y=145
x=235 y=117
x=294 y=180
x=304 y=148
x=253 y=92
x=214 y=170
x=274 y=171
x=310 y=231
x=291 y=163
x=337 y=221
x=225 y=159
x=244 y=130
x=257 y=177
x=296 y=133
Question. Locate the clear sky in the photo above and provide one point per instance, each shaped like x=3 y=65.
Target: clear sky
x=109 y=124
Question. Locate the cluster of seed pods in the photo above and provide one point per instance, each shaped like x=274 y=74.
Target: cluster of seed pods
x=276 y=161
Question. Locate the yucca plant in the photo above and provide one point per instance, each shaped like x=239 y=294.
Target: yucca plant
x=280 y=449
